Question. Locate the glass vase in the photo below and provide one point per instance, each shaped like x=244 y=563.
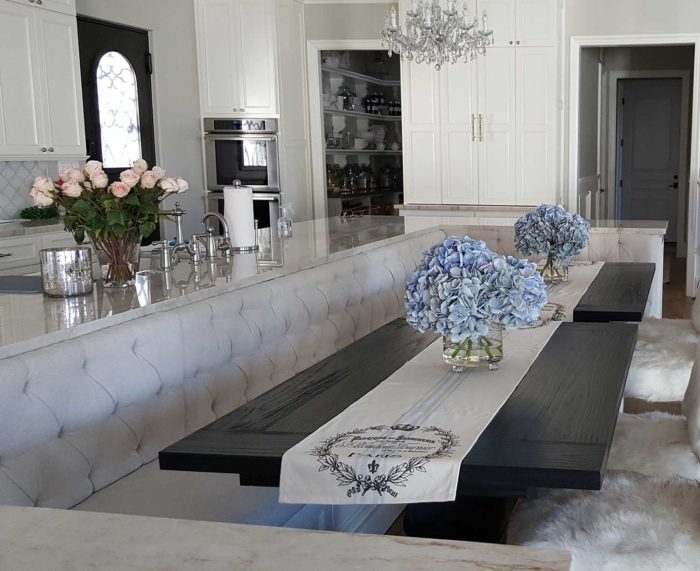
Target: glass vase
x=486 y=351
x=119 y=258
x=553 y=270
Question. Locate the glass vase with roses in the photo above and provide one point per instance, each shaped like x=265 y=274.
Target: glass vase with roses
x=114 y=216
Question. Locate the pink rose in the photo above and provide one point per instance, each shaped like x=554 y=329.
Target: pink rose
x=130 y=177
x=159 y=172
x=140 y=166
x=120 y=189
x=91 y=167
x=149 y=179
x=99 y=179
x=168 y=185
x=44 y=184
x=182 y=185
x=73 y=175
x=72 y=189
x=41 y=197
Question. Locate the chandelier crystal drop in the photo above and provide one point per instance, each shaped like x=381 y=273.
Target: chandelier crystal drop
x=436 y=35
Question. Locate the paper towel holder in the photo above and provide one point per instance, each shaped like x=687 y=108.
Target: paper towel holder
x=246 y=249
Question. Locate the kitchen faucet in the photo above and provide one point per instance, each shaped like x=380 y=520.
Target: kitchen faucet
x=211 y=243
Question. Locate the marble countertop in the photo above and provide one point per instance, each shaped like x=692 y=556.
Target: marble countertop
x=30 y=321
x=457 y=218
x=12 y=229
x=39 y=539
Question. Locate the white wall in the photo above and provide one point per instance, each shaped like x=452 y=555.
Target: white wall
x=341 y=21
x=176 y=91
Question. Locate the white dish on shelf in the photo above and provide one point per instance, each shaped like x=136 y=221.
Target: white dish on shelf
x=361 y=144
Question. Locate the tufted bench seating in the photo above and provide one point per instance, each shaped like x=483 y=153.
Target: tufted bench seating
x=82 y=421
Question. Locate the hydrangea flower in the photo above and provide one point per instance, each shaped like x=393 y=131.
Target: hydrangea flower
x=461 y=286
x=552 y=232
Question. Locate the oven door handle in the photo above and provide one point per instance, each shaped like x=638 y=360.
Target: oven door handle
x=269 y=197
x=251 y=137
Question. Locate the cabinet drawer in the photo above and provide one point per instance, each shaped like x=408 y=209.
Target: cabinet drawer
x=58 y=240
x=23 y=251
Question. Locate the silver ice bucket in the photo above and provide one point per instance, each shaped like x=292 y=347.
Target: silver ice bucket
x=66 y=272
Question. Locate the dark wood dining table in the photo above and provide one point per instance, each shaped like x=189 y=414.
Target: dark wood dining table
x=555 y=430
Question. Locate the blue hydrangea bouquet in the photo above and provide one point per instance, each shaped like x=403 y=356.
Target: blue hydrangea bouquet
x=553 y=233
x=468 y=294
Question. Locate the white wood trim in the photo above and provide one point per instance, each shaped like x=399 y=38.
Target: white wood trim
x=611 y=182
x=575 y=45
x=313 y=60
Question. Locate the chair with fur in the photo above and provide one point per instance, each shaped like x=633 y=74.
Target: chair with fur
x=661 y=364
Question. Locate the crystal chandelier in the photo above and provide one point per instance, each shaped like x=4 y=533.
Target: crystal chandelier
x=436 y=35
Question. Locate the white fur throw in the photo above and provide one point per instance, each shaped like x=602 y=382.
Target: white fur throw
x=662 y=360
x=635 y=523
x=654 y=443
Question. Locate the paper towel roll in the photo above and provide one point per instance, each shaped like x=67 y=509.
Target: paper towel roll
x=238 y=212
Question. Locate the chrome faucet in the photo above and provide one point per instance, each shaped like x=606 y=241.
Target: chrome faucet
x=212 y=243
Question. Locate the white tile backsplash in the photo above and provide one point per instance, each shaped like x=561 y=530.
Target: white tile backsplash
x=16 y=179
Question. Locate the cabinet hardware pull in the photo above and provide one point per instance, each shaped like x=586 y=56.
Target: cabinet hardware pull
x=242 y=110
x=518 y=42
x=481 y=128
x=235 y=109
x=43 y=149
x=6 y=255
x=473 y=131
x=511 y=42
x=50 y=149
x=40 y=2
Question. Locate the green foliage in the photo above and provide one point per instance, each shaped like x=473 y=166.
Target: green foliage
x=40 y=213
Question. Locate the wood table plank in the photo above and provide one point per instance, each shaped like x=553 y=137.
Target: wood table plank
x=618 y=293
x=554 y=431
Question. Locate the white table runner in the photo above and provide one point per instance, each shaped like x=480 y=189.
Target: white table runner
x=404 y=441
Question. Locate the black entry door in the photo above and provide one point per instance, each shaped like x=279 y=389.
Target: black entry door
x=116 y=72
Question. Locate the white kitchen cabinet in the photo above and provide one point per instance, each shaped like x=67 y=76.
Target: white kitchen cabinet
x=236 y=42
x=497 y=127
x=63 y=106
x=21 y=121
x=422 y=158
x=536 y=115
x=21 y=251
x=521 y=22
x=459 y=134
x=40 y=94
x=63 y=6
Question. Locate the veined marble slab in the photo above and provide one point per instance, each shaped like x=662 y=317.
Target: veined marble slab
x=422 y=217
x=31 y=321
x=40 y=539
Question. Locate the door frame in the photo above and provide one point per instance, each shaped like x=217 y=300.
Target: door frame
x=613 y=143
x=576 y=44
x=313 y=65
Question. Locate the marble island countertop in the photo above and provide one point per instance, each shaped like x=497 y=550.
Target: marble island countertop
x=30 y=321
x=457 y=218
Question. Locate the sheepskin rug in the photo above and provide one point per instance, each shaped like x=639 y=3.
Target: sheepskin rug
x=635 y=523
x=662 y=360
x=655 y=444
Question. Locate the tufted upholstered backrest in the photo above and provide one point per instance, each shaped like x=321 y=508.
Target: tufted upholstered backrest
x=78 y=415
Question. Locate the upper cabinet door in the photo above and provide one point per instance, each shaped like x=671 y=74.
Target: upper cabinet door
x=63 y=6
x=217 y=29
x=501 y=19
x=21 y=132
x=496 y=127
x=238 y=69
x=459 y=134
x=536 y=23
x=63 y=108
x=258 y=61
x=537 y=126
